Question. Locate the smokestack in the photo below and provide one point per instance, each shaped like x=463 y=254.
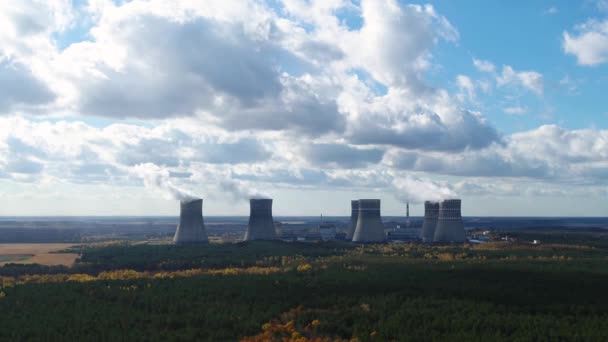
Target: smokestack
x=354 y=215
x=261 y=225
x=450 y=227
x=431 y=212
x=191 y=228
x=407 y=215
x=369 y=225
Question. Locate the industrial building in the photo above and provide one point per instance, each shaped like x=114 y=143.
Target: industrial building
x=369 y=226
x=191 y=227
x=442 y=223
x=450 y=227
x=261 y=224
x=431 y=213
x=403 y=235
x=327 y=231
x=354 y=215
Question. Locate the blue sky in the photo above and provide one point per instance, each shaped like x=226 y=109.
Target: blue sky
x=126 y=107
x=529 y=36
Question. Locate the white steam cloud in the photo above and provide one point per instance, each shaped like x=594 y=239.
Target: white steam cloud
x=418 y=190
x=159 y=179
x=240 y=191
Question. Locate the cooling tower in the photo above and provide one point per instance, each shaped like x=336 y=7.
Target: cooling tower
x=449 y=222
x=191 y=228
x=431 y=212
x=261 y=225
x=369 y=225
x=354 y=215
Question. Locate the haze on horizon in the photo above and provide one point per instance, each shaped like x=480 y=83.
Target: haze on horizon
x=112 y=107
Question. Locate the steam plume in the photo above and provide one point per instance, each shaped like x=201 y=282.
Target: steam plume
x=158 y=179
x=240 y=191
x=418 y=190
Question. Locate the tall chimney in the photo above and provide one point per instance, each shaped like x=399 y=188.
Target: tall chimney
x=450 y=227
x=369 y=224
x=191 y=228
x=431 y=212
x=261 y=224
x=407 y=215
x=354 y=215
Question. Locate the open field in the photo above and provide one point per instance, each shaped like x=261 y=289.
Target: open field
x=36 y=253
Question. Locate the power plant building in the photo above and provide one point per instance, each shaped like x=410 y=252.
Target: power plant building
x=261 y=224
x=191 y=228
x=354 y=215
x=431 y=213
x=369 y=226
x=450 y=227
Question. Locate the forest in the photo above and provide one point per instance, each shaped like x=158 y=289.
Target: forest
x=260 y=291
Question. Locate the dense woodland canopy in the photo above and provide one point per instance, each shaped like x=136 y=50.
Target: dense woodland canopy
x=260 y=291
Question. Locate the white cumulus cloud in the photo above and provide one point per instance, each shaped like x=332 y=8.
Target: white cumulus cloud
x=588 y=42
x=530 y=80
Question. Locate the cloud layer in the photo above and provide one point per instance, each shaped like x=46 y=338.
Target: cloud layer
x=214 y=98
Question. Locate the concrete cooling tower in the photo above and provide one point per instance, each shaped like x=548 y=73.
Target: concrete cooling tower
x=354 y=215
x=369 y=224
x=191 y=228
x=431 y=212
x=261 y=224
x=450 y=227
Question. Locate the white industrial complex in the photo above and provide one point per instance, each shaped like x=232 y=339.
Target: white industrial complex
x=442 y=223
